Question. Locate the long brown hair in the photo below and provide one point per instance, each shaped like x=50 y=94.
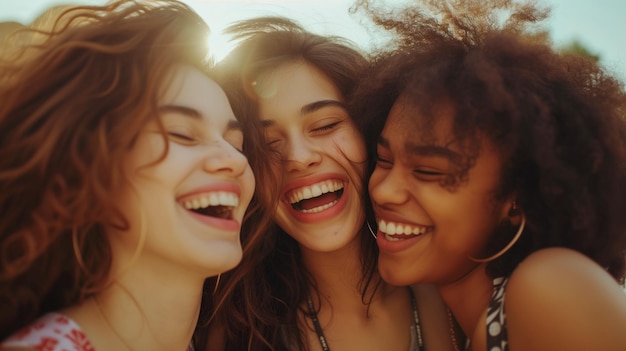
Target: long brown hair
x=260 y=300
x=72 y=106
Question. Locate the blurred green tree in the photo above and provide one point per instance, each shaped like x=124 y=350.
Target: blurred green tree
x=576 y=47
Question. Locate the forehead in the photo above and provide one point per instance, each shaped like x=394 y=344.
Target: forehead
x=190 y=87
x=286 y=89
x=427 y=124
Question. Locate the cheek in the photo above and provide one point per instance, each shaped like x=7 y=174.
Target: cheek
x=375 y=179
x=248 y=185
x=352 y=146
x=150 y=148
x=470 y=222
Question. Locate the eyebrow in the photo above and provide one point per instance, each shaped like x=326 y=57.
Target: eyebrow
x=195 y=114
x=425 y=150
x=310 y=108
x=317 y=105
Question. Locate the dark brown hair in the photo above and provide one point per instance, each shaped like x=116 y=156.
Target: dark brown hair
x=558 y=120
x=72 y=106
x=261 y=299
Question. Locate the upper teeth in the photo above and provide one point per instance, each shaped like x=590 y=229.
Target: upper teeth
x=315 y=190
x=392 y=228
x=218 y=198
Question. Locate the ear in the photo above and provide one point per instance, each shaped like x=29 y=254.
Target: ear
x=514 y=213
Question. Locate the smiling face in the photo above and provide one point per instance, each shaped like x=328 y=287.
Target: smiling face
x=190 y=204
x=323 y=156
x=427 y=229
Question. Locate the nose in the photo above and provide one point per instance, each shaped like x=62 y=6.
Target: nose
x=222 y=157
x=388 y=187
x=301 y=154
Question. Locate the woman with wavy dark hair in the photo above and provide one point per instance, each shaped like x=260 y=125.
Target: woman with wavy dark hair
x=499 y=176
x=310 y=282
x=122 y=182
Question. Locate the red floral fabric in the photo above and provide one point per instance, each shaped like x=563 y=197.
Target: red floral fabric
x=52 y=332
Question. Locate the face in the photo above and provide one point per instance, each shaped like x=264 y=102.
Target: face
x=427 y=229
x=187 y=207
x=305 y=120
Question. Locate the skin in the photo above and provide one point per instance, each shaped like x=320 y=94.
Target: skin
x=306 y=122
x=160 y=264
x=550 y=296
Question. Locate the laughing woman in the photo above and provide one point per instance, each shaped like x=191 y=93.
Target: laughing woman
x=500 y=177
x=310 y=283
x=123 y=185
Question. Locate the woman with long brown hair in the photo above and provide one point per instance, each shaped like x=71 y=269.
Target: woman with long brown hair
x=122 y=181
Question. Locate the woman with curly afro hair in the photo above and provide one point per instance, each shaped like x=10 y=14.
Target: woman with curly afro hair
x=499 y=175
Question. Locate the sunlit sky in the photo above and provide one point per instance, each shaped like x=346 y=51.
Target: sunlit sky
x=600 y=25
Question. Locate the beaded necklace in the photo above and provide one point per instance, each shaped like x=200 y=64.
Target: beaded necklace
x=320 y=332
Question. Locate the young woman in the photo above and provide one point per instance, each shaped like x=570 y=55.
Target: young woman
x=500 y=177
x=311 y=282
x=123 y=182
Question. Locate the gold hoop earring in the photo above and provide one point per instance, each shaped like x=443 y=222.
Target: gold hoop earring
x=217 y=283
x=507 y=247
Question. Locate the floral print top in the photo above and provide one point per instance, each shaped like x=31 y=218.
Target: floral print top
x=51 y=332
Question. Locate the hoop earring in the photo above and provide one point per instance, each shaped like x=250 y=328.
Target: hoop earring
x=506 y=248
x=217 y=283
x=370 y=229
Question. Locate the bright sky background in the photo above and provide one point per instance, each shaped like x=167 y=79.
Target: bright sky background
x=600 y=25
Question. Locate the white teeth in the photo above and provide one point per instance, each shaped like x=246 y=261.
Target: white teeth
x=315 y=190
x=391 y=228
x=218 y=198
x=320 y=208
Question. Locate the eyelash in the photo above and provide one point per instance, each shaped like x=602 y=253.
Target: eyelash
x=419 y=172
x=326 y=127
x=428 y=173
x=181 y=137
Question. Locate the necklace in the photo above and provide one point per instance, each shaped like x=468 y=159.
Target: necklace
x=451 y=325
x=108 y=322
x=320 y=332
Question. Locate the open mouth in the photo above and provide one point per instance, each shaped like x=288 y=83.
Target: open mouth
x=220 y=204
x=317 y=197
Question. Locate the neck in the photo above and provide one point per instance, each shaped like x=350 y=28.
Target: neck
x=144 y=309
x=337 y=274
x=468 y=298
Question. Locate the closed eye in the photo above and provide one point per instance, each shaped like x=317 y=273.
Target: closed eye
x=326 y=127
x=428 y=174
x=181 y=138
x=273 y=142
x=383 y=163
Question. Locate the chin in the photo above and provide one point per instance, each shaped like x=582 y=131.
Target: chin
x=222 y=259
x=393 y=276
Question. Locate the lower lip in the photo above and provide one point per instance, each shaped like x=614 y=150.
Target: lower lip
x=395 y=246
x=218 y=223
x=323 y=215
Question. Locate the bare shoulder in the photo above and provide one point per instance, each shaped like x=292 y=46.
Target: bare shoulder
x=433 y=317
x=558 y=298
x=559 y=270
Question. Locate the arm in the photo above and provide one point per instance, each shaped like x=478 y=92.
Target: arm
x=558 y=299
